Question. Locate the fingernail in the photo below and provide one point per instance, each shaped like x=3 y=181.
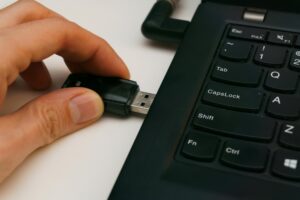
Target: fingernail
x=85 y=107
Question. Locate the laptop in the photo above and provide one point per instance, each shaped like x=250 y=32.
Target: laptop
x=225 y=122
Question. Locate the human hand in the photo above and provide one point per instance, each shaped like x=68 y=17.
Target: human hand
x=29 y=33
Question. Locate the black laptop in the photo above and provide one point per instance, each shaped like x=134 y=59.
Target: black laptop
x=225 y=122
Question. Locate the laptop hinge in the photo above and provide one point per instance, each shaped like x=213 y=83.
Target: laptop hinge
x=254 y=14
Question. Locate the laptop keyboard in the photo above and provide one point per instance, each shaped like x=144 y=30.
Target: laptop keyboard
x=247 y=116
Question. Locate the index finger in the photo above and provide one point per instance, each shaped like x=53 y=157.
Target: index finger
x=37 y=40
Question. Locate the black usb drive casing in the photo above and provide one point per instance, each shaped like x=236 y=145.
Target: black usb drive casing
x=117 y=94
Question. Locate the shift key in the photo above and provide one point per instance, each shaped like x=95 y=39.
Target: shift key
x=232 y=97
x=236 y=124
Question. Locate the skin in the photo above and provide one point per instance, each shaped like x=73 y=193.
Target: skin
x=29 y=33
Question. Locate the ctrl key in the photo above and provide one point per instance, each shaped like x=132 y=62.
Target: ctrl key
x=245 y=156
x=199 y=146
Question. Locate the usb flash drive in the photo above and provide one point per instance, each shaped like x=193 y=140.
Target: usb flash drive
x=120 y=96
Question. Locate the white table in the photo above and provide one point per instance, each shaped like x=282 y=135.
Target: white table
x=85 y=165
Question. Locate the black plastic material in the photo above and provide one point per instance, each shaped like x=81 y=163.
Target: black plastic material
x=154 y=168
x=117 y=94
x=287 y=5
x=160 y=27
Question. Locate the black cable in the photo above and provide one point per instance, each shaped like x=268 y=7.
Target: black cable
x=160 y=27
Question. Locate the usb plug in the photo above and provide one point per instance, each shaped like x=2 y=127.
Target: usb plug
x=120 y=96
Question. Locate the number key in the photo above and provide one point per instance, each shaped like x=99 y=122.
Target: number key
x=271 y=56
x=295 y=60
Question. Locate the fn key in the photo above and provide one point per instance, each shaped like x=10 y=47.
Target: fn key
x=199 y=146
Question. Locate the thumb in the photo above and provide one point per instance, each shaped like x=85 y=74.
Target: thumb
x=44 y=120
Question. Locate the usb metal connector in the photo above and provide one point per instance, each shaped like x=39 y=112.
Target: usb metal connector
x=142 y=102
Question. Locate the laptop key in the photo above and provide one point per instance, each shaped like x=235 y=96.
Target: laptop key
x=284 y=107
x=232 y=72
x=247 y=33
x=297 y=43
x=231 y=123
x=244 y=156
x=281 y=81
x=233 y=97
x=199 y=146
x=271 y=56
x=236 y=50
x=281 y=38
x=286 y=164
x=289 y=135
x=295 y=60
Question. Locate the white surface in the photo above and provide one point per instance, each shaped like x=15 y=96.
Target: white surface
x=86 y=164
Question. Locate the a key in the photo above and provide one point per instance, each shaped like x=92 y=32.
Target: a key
x=236 y=50
x=284 y=106
x=281 y=81
x=231 y=123
x=271 y=56
x=245 y=156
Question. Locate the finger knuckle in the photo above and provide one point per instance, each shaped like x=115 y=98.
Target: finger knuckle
x=49 y=122
x=31 y=4
x=104 y=42
x=68 y=27
x=33 y=8
x=60 y=24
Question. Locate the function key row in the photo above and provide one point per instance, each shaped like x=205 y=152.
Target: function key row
x=262 y=35
x=240 y=155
